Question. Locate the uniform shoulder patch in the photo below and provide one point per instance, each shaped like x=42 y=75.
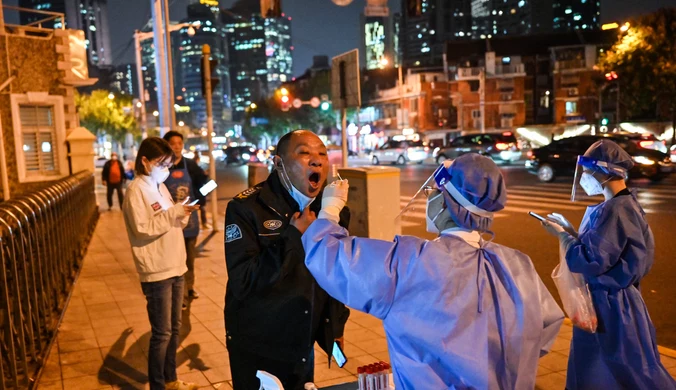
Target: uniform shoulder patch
x=232 y=233
x=156 y=206
x=247 y=193
x=272 y=224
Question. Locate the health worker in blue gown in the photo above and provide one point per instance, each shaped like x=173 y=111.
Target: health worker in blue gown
x=458 y=311
x=614 y=250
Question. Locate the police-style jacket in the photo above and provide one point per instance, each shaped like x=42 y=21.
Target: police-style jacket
x=273 y=306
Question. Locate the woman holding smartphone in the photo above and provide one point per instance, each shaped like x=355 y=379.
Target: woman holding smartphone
x=155 y=229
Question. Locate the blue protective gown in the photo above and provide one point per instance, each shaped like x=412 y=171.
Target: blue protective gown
x=455 y=316
x=615 y=250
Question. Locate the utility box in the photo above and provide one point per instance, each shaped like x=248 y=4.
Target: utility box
x=258 y=172
x=374 y=201
x=81 y=142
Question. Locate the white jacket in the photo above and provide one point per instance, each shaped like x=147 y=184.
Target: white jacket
x=155 y=229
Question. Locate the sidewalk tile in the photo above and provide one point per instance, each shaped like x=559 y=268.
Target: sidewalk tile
x=336 y=381
x=86 y=368
x=550 y=381
x=218 y=374
x=90 y=382
x=56 y=385
x=554 y=361
x=81 y=356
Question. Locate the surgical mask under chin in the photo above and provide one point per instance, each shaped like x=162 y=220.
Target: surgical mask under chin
x=590 y=185
x=430 y=225
x=302 y=200
x=159 y=174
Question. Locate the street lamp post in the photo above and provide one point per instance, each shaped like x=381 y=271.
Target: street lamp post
x=141 y=85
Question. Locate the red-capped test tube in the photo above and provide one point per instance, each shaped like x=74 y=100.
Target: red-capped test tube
x=370 y=378
x=361 y=377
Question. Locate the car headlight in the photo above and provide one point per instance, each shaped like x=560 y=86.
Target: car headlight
x=644 y=160
x=246 y=156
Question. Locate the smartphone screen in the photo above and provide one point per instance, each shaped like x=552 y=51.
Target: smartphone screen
x=185 y=200
x=338 y=355
x=194 y=202
x=538 y=217
x=207 y=188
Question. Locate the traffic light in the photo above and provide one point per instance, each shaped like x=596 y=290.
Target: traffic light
x=284 y=99
x=413 y=8
x=214 y=80
x=604 y=122
x=271 y=8
x=325 y=106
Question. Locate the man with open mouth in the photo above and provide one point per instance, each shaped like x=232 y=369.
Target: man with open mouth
x=274 y=309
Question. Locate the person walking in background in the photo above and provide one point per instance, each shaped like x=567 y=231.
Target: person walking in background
x=155 y=227
x=202 y=199
x=185 y=179
x=113 y=177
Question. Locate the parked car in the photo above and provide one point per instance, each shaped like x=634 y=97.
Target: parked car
x=100 y=161
x=559 y=158
x=501 y=147
x=400 y=152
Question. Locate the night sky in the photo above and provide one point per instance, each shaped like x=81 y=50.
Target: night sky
x=318 y=26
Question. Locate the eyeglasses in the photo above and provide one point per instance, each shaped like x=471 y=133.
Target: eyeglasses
x=166 y=165
x=428 y=190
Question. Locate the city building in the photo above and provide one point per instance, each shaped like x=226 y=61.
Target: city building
x=124 y=80
x=148 y=61
x=260 y=54
x=576 y=14
x=424 y=36
x=39 y=118
x=378 y=37
x=90 y=16
x=199 y=28
x=542 y=79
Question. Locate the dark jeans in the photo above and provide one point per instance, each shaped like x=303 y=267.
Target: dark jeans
x=191 y=253
x=203 y=211
x=243 y=367
x=109 y=195
x=164 y=312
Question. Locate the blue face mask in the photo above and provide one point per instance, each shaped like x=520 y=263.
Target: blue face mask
x=302 y=200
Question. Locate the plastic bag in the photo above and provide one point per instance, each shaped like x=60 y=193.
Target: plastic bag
x=575 y=296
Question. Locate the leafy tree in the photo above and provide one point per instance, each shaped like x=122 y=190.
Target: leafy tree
x=644 y=57
x=105 y=116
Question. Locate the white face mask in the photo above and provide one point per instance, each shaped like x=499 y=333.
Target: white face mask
x=302 y=200
x=159 y=174
x=590 y=185
x=430 y=226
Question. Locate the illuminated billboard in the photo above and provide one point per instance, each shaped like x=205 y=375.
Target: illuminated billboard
x=375 y=41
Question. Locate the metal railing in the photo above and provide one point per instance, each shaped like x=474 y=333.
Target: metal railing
x=43 y=238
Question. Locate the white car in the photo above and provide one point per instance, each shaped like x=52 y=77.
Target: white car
x=400 y=152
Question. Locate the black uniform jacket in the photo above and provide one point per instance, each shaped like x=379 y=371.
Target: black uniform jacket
x=273 y=306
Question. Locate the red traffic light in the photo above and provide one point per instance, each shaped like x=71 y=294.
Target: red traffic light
x=611 y=76
x=285 y=99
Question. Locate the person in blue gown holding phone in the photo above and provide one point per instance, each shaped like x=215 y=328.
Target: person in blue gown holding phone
x=458 y=311
x=614 y=250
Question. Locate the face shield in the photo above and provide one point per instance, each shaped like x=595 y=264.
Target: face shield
x=415 y=210
x=586 y=182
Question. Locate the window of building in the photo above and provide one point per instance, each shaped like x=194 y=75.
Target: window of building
x=40 y=136
x=571 y=108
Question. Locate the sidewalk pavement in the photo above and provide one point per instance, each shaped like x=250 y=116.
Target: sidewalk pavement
x=103 y=340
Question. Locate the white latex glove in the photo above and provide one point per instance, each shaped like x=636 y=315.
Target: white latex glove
x=561 y=220
x=553 y=228
x=333 y=200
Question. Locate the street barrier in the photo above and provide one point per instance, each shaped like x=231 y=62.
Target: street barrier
x=44 y=236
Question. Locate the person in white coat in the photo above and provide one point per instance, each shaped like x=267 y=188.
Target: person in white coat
x=155 y=229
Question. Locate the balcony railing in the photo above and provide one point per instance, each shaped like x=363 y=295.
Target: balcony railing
x=570 y=64
x=43 y=25
x=43 y=239
x=501 y=70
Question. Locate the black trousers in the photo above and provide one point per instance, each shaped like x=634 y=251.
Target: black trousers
x=120 y=195
x=244 y=365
